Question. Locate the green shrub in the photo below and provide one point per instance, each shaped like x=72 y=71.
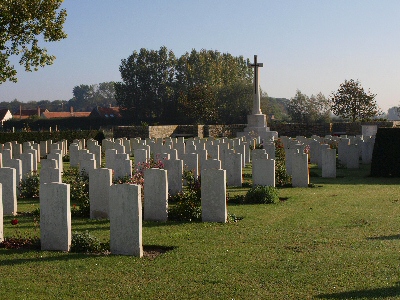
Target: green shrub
x=188 y=203
x=262 y=195
x=29 y=186
x=237 y=199
x=187 y=207
x=85 y=242
x=79 y=191
x=282 y=178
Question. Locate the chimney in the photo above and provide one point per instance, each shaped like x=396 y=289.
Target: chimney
x=38 y=111
x=20 y=111
x=71 y=109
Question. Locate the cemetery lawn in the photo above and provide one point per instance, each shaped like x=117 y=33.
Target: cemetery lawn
x=337 y=240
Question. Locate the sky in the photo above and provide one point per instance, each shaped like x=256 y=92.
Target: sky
x=307 y=45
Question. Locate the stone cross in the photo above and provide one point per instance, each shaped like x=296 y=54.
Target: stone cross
x=256 y=99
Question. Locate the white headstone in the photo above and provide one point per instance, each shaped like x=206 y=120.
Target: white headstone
x=155 y=195
x=9 y=188
x=126 y=220
x=55 y=217
x=100 y=181
x=213 y=196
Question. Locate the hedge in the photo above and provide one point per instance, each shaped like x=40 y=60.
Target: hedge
x=56 y=136
x=386 y=155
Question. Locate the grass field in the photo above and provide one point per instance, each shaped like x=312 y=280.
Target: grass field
x=337 y=240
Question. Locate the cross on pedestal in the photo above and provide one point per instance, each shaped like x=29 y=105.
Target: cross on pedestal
x=256 y=100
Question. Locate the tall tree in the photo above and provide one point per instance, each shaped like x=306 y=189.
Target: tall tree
x=147 y=89
x=320 y=108
x=350 y=101
x=235 y=102
x=224 y=78
x=298 y=108
x=304 y=109
x=22 y=24
x=157 y=87
x=198 y=105
x=86 y=97
x=81 y=95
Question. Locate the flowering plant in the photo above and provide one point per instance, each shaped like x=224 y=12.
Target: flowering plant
x=138 y=172
x=19 y=240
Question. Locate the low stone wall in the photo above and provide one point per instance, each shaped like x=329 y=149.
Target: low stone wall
x=131 y=132
x=158 y=131
x=296 y=129
x=322 y=129
x=283 y=129
x=356 y=127
x=223 y=130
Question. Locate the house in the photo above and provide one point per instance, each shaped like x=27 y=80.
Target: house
x=5 y=114
x=27 y=113
x=64 y=114
x=106 y=112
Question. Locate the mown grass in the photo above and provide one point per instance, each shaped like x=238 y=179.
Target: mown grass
x=337 y=240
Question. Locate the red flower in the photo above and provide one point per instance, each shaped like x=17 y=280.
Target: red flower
x=14 y=222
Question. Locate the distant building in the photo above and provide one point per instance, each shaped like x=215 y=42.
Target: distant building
x=105 y=112
x=64 y=114
x=27 y=113
x=5 y=114
x=394 y=114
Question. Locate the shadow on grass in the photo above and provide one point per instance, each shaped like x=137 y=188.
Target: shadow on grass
x=151 y=224
x=353 y=177
x=149 y=251
x=39 y=259
x=386 y=292
x=385 y=237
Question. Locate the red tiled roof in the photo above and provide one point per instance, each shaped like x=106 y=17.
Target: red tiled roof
x=106 y=112
x=65 y=114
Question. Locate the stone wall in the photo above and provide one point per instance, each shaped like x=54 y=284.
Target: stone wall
x=322 y=129
x=283 y=129
x=223 y=130
x=158 y=131
x=131 y=132
x=295 y=129
x=356 y=127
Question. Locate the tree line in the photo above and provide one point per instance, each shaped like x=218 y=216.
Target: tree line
x=85 y=98
x=350 y=102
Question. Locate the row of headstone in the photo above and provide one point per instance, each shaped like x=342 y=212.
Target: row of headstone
x=125 y=209
x=350 y=151
x=233 y=154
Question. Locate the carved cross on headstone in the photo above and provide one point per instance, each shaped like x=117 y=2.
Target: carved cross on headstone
x=256 y=100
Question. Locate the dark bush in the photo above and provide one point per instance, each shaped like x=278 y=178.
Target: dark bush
x=37 y=136
x=282 y=178
x=29 y=186
x=187 y=205
x=85 y=242
x=262 y=195
x=386 y=154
